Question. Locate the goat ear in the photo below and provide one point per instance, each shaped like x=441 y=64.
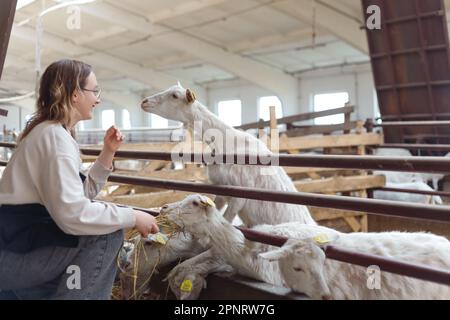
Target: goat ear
x=190 y=96
x=274 y=255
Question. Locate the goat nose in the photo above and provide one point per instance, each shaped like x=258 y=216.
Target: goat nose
x=144 y=101
x=327 y=297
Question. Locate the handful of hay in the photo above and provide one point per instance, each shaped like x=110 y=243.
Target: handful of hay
x=168 y=230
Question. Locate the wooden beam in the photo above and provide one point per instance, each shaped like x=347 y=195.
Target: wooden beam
x=187 y=174
x=341 y=184
x=150 y=200
x=299 y=117
x=320 y=214
x=320 y=129
x=305 y=143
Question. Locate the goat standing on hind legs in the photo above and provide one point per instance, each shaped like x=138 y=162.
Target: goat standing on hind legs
x=179 y=104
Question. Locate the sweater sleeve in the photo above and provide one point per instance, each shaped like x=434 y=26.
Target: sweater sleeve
x=63 y=195
x=96 y=178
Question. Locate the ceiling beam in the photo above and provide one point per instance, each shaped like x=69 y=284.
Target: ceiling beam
x=156 y=80
x=184 y=8
x=267 y=77
x=332 y=21
x=258 y=73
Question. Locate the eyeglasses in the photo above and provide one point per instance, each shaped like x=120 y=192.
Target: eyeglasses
x=96 y=92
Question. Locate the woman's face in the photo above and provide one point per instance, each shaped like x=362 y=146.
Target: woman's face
x=87 y=98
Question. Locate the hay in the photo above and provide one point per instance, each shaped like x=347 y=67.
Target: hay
x=167 y=228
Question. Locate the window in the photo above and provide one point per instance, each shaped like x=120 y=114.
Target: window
x=108 y=119
x=158 y=122
x=230 y=112
x=328 y=101
x=264 y=107
x=126 y=121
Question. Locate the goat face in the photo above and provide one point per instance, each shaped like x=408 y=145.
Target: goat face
x=174 y=103
x=190 y=213
x=301 y=263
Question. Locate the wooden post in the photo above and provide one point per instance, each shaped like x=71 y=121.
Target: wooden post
x=273 y=127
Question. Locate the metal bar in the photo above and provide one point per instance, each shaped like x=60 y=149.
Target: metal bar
x=361 y=259
x=431 y=193
x=8 y=145
x=383 y=207
x=416 y=116
x=407 y=164
x=413 y=124
x=431 y=147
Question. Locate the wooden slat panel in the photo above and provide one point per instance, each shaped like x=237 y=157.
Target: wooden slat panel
x=7 y=13
x=410 y=58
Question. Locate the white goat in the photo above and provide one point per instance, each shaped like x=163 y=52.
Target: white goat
x=404 y=177
x=142 y=263
x=392 y=152
x=306 y=269
x=408 y=197
x=188 y=281
x=197 y=215
x=434 y=177
x=179 y=104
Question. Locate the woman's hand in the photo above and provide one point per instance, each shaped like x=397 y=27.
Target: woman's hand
x=145 y=223
x=113 y=139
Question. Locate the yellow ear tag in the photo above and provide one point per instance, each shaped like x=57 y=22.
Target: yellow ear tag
x=160 y=239
x=321 y=239
x=208 y=203
x=186 y=286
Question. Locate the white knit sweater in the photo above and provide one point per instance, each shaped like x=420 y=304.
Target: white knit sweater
x=45 y=169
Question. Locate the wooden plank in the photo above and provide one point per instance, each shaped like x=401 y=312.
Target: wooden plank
x=299 y=117
x=320 y=214
x=304 y=143
x=341 y=184
x=353 y=223
x=150 y=200
x=320 y=129
x=187 y=174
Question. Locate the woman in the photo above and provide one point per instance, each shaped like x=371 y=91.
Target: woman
x=54 y=242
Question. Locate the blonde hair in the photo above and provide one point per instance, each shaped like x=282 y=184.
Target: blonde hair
x=57 y=85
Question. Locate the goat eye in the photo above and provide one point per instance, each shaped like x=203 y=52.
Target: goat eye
x=174 y=96
x=195 y=203
x=298 y=269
